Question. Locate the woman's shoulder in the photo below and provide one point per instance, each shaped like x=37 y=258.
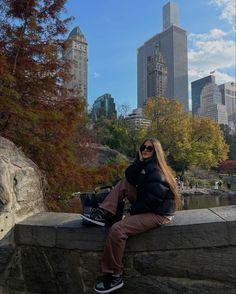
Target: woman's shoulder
x=151 y=166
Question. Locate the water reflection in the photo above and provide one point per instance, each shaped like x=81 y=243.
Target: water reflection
x=206 y=201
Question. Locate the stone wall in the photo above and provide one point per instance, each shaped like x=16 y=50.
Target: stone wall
x=195 y=253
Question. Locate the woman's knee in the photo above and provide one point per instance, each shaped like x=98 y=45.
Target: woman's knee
x=116 y=232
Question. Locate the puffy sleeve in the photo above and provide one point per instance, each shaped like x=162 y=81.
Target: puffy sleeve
x=133 y=171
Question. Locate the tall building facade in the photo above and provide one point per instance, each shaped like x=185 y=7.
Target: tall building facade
x=77 y=54
x=156 y=75
x=211 y=104
x=172 y=43
x=228 y=91
x=170 y=15
x=196 y=89
x=104 y=107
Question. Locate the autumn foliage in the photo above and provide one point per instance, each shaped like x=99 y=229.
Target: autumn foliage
x=36 y=111
x=188 y=141
x=228 y=166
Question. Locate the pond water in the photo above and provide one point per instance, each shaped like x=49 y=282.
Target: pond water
x=206 y=201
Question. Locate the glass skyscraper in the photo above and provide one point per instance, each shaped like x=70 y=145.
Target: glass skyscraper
x=172 y=43
x=104 y=107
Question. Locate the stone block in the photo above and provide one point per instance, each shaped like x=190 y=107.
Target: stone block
x=62 y=230
x=228 y=213
x=195 y=216
x=75 y=235
x=6 y=252
x=90 y=264
x=48 y=270
x=35 y=235
x=170 y=285
x=39 y=229
x=189 y=229
x=191 y=263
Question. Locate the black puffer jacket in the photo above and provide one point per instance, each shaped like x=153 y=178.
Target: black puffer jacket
x=153 y=192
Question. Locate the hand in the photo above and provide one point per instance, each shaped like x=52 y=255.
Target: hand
x=140 y=155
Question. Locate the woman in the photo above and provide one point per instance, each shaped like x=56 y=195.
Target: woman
x=152 y=191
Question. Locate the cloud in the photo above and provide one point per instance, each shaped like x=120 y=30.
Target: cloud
x=221 y=78
x=211 y=52
x=212 y=35
x=96 y=75
x=228 y=10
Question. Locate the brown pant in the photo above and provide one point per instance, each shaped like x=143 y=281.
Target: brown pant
x=129 y=226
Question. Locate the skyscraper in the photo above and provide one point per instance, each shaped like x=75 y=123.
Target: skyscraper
x=77 y=55
x=172 y=43
x=170 y=15
x=228 y=91
x=104 y=106
x=196 y=88
x=156 y=75
x=211 y=104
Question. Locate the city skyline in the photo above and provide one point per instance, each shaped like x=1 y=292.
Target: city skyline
x=115 y=30
x=172 y=43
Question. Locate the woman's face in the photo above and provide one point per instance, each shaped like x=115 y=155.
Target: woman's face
x=147 y=149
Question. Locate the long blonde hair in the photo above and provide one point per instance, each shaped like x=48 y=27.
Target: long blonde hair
x=166 y=170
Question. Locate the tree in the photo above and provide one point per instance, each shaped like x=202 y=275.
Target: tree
x=230 y=139
x=171 y=125
x=208 y=145
x=227 y=166
x=136 y=135
x=118 y=134
x=187 y=141
x=36 y=111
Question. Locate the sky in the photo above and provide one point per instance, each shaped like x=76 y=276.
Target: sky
x=114 y=29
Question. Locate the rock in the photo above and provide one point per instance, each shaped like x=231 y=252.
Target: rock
x=96 y=155
x=206 y=191
x=21 y=187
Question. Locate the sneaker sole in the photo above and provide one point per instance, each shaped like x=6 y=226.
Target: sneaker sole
x=93 y=221
x=110 y=290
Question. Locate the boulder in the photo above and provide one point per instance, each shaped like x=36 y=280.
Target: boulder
x=95 y=155
x=21 y=187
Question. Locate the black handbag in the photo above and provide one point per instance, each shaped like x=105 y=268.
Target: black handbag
x=91 y=200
